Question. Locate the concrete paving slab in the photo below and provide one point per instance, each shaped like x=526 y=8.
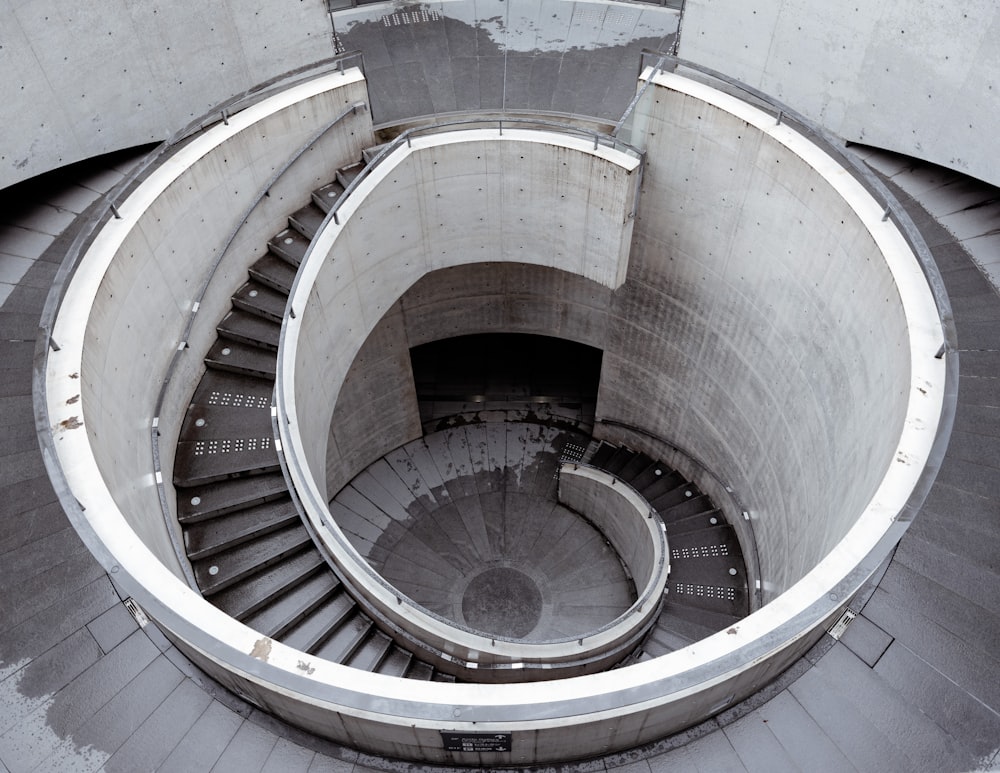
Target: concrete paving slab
x=961 y=661
x=45 y=589
x=866 y=640
x=803 y=740
x=24 y=242
x=864 y=744
x=37 y=557
x=113 y=627
x=30 y=687
x=83 y=702
x=288 y=757
x=247 y=751
x=324 y=764
x=973 y=724
x=156 y=738
x=200 y=748
x=757 y=748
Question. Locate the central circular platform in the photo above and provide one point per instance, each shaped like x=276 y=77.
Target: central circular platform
x=476 y=534
x=502 y=601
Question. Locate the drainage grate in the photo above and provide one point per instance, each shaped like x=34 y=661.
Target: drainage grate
x=136 y=611
x=701 y=551
x=237 y=446
x=723 y=593
x=238 y=400
x=837 y=629
x=410 y=17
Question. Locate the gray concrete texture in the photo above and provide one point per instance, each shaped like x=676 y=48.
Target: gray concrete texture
x=452 y=517
x=915 y=78
x=929 y=705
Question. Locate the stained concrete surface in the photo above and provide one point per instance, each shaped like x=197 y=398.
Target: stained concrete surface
x=929 y=704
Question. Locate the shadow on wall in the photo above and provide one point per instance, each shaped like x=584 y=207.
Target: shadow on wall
x=583 y=59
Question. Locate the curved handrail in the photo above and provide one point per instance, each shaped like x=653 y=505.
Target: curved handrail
x=108 y=206
x=753 y=570
x=182 y=347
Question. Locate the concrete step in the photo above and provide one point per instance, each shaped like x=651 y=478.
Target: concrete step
x=257 y=591
x=600 y=457
x=420 y=671
x=219 y=572
x=199 y=462
x=696 y=504
x=307 y=220
x=336 y=641
x=214 y=535
x=275 y=272
x=668 y=480
x=220 y=422
x=674 y=497
x=257 y=298
x=246 y=328
x=634 y=467
x=371 y=652
x=235 y=357
x=288 y=609
x=697 y=522
x=226 y=389
x=395 y=663
x=619 y=459
x=213 y=499
x=327 y=196
x=346 y=174
x=709 y=620
x=289 y=245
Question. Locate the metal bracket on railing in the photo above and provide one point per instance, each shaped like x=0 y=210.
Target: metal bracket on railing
x=115 y=212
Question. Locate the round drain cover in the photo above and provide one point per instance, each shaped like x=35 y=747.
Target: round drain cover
x=502 y=601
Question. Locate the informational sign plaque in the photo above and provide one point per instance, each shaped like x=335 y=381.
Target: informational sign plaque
x=476 y=742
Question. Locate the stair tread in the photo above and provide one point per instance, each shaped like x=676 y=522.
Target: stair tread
x=327 y=196
x=634 y=467
x=242 y=359
x=244 y=327
x=224 y=388
x=307 y=220
x=675 y=496
x=226 y=422
x=257 y=298
x=346 y=174
x=313 y=630
x=621 y=457
x=199 y=502
x=370 y=653
x=419 y=670
x=199 y=462
x=601 y=455
x=213 y=535
x=255 y=592
x=274 y=272
x=694 y=523
x=289 y=245
x=693 y=505
x=395 y=663
x=711 y=619
x=242 y=561
x=297 y=603
x=333 y=639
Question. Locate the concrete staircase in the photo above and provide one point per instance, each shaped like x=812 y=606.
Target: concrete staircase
x=707 y=590
x=251 y=555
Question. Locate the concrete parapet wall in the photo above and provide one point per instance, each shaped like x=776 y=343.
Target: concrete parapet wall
x=136 y=287
x=917 y=78
x=82 y=79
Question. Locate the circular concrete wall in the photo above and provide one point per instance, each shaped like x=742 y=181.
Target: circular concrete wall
x=780 y=312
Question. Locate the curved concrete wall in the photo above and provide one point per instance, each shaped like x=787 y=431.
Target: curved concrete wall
x=760 y=327
x=914 y=77
x=82 y=79
x=472 y=196
x=144 y=273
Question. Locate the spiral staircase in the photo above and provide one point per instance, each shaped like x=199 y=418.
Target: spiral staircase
x=253 y=558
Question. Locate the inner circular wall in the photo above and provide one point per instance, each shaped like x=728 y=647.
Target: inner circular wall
x=759 y=327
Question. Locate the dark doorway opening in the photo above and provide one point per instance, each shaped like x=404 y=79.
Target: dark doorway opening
x=506 y=371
